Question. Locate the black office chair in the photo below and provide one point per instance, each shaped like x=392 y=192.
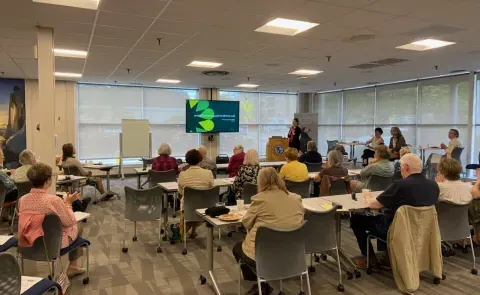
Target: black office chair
x=331 y=145
x=314 y=167
x=379 y=183
x=457 y=154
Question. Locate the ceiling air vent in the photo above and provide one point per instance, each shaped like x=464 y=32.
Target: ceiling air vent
x=216 y=73
x=434 y=30
x=458 y=71
x=373 y=83
x=359 y=38
x=366 y=66
x=389 y=61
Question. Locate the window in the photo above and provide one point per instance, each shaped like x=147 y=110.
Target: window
x=101 y=109
x=329 y=109
x=262 y=115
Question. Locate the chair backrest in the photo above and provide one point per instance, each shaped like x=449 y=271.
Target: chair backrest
x=430 y=170
x=301 y=188
x=331 y=144
x=320 y=231
x=10 y=276
x=249 y=190
x=51 y=241
x=397 y=175
x=338 y=187
x=179 y=161
x=314 y=167
x=194 y=199
x=280 y=253
x=214 y=173
x=2 y=194
x=72 y=170
x=453 y=221
x=23 y=188
x=143 y=204
x=350 y=165
x=146 y=162
x=457 y=154
x=155 y=177
x=379 y=183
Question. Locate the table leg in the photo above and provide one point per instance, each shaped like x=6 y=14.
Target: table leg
x=108 y=192
x=352 y=149
x=210 y=259
x=345 y=260
x=139 y=181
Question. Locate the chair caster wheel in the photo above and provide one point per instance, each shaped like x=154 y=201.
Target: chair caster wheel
x=357 y=274
x=311 y=269
x=174 y=215
x=316 y=258
x=323 y=257
x=84 y=221
x=164 y=238
x=229 y=235
x=444 y=277
x=10 y=234
x=184 y=252
x=134 y=239
x=348 y=275
x=436 y=281
x=95 y=202
x=219 y=249
x=281 y=293
x=474 y=271
x=172 y=242
x=465 y=250
x=369 y=271
x=164 y=210
x=340 y=288
x=50 y=277
x=86 y=281
x=124 y=250
x=159 y=250
x=162 y=231
x=301 y=293
x=203 y=280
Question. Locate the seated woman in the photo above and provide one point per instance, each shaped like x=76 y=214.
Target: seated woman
x=371 y=144
x=380 y=166
x=236 y=161
x=293 y=170
x=11 y=192
x=27 y=159
x=311 y=156
x=35 y=205
x=197 y=178
x=474 y=210
x=397 y=141
x=332 y=168
x=452 y=189
x=246 y=174
x=403 y=151
x=68 y=160
x=164 y=162
x=273 y=206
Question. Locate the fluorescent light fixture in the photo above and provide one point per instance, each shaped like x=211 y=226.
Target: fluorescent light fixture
x=68 y=75
x=86 y=4
x=204 y=64
x=70 y=53
x=168 y=81
x=302 y=72
x=426 y=44
x=247 y=85
x=288 y=27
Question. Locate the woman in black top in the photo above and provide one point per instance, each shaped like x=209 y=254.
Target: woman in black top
x=294 y=135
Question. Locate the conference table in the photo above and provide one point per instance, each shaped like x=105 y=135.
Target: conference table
x=423 y=150
x=107 y=169
x=345 y=202
x=352 y=145
x=262 y=164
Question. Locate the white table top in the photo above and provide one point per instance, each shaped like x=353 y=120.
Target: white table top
x=350 y=143
x=436 y=148
x=173 y=186
x=353 y=172
x=141 y=171
x=4 y=239
x=79 y=216
x=262 y=164
x=61 y=179
x=219 y=223
x=347 y=203
x=103 y=166
x=28 y=282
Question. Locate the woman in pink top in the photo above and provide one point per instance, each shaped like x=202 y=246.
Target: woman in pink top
x=35 y=205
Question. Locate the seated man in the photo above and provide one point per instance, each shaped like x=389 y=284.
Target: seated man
x=413 y=190
x=311 y=156
x=453 y=135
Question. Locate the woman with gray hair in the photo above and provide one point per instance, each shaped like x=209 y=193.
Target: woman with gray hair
x=164 y=161
x=311 y=156
x=236 y=161
x=27 y=159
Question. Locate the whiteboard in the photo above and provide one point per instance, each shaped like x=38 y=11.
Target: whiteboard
x=135 y=138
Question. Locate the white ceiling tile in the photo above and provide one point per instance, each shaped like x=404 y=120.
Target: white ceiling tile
x=122 y=20
x=147 y=8
x=315 y=12
x=348 y=3
x=363 y=19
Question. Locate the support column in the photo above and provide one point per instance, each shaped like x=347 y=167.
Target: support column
x=212 y=146
x=454 y=103
x=472 y=156
x=305 y=102
x=45 y=126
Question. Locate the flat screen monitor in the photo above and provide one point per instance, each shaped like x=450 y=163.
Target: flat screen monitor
x=212 y=116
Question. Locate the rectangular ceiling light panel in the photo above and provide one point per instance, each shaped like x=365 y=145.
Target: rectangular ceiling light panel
x=247 y=85
x=70 y=53
x=288 y=27
x=86 y=4
x=426 y=44
x=204 y=64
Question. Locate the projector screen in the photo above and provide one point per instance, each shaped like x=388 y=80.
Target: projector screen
x=205 y=116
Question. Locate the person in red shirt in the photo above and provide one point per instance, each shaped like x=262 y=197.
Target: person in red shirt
x=164 y=162
x=236 y=161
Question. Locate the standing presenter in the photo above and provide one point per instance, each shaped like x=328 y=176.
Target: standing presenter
x=294 y=135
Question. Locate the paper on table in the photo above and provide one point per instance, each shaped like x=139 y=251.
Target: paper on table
x=28 y=282
x=327 y=206
x=79 y=216
x=4 y=239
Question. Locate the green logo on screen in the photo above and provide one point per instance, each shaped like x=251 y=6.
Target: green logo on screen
x=204 y=114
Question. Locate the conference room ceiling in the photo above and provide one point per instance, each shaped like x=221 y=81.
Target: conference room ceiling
x=359 y=35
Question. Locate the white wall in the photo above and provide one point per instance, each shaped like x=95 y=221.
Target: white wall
x=66 y=127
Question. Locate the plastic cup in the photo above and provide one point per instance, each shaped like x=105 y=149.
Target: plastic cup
x=366 y=193
x=240 y=205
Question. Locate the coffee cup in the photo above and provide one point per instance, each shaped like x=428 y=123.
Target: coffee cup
x=240 y=205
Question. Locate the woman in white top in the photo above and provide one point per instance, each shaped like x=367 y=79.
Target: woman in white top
x=453 y=135
x=369 y=152
x=452 y=189
x=27 y=159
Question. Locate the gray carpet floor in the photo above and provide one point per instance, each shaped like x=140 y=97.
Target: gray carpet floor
x=143 y=271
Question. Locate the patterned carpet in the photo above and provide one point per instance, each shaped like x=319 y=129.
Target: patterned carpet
x=142 y=271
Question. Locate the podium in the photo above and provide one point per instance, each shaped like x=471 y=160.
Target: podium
x=276 y=147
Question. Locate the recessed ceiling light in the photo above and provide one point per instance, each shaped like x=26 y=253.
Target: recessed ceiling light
x=305 y=72
x=283 y=26
x=247 y=85
x=68 y=75
x=168 y=81
x=426 y=44
x=70 y=53
x=204 y=64
x=86 y=4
